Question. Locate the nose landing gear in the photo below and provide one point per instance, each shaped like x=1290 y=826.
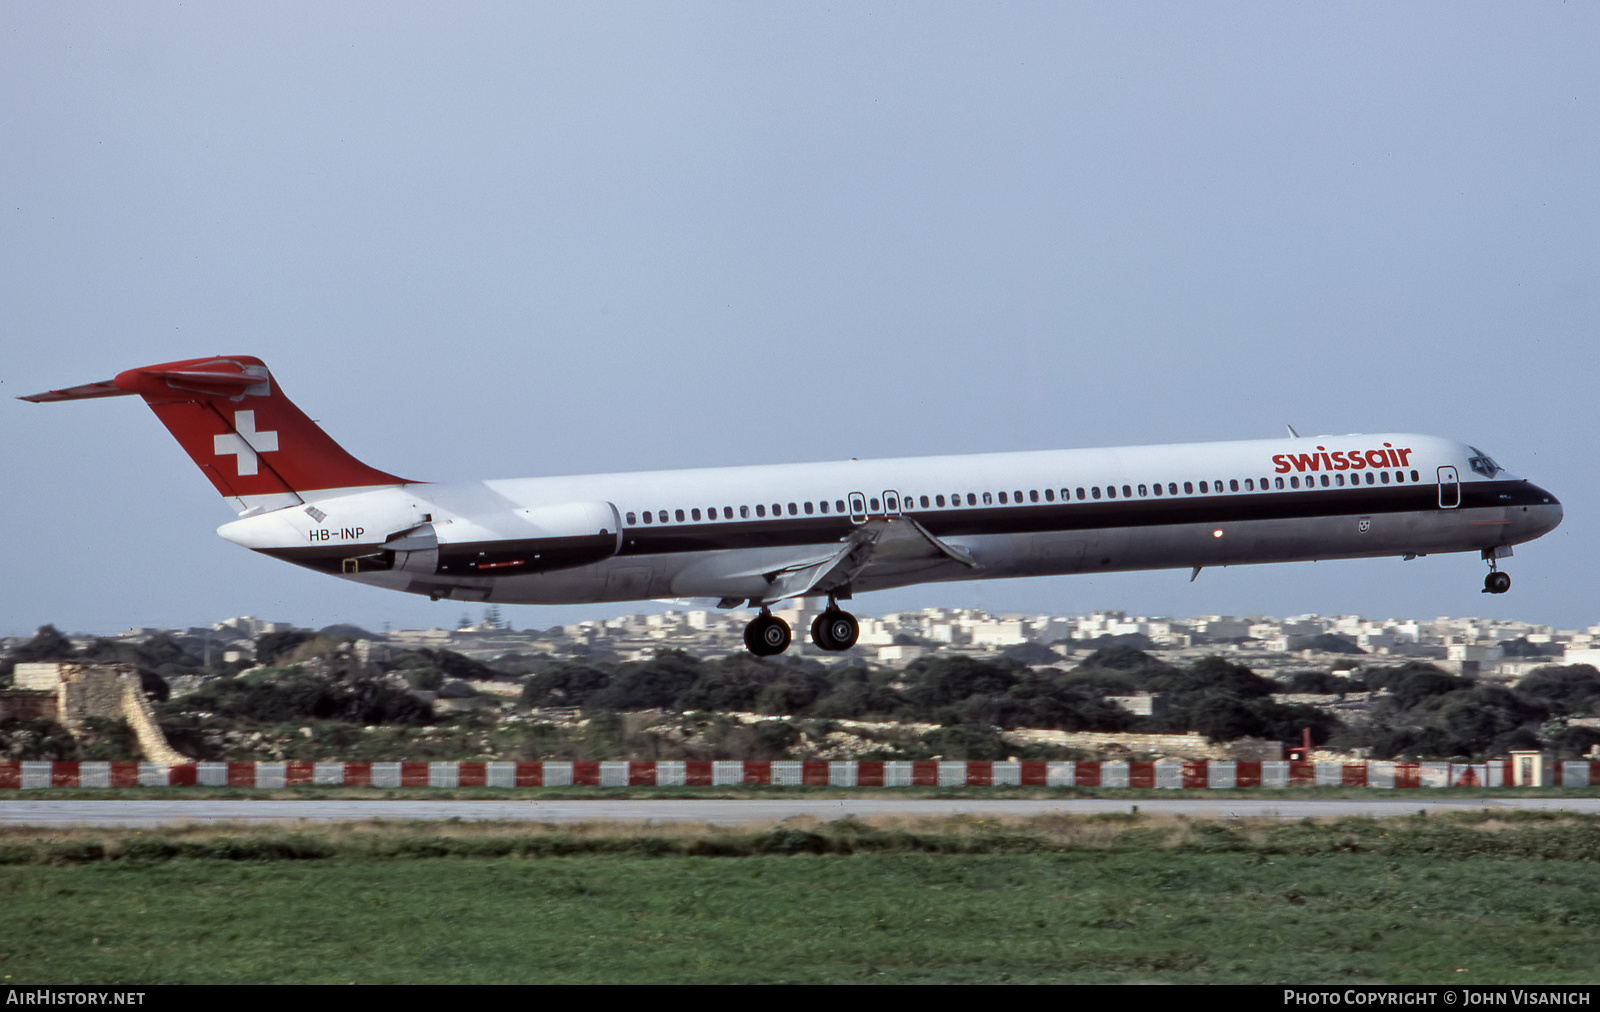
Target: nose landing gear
x=1496 y=582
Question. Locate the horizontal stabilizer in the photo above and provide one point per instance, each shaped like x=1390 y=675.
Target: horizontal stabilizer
x=105 y=388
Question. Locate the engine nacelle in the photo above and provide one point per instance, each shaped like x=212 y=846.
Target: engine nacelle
x=534 y=540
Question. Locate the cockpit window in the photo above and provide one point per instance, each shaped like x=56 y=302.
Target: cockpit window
x=1482 y=463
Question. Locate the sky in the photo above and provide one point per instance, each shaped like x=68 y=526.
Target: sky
x=485 y=240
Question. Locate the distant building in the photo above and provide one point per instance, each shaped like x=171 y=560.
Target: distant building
x=1145 y=704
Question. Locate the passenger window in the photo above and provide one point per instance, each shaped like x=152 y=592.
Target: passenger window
x=972 y=499
x=1203 y=488
x=794 y=510
x=823 y=505
x=679 y=514
x=924 y=501
x=1278 y=482
x=808 y=509
x=1017 y=496
x=1384 y=476
x=1233 y=484
x=988 y=499
x=1249 y=485
x=1002 y=498
x=1157 y=487
x=632 y=519
x=761 y=510
x=777 y=509
x=1033 y=495
x=838 y=505
x=1111 y=491
x=663 y=516
x=1370 y=480
x=648 y=518
x=938 y=500
x=695 y=514
x=1294 y=481
x=1338 y=479
x=744 y=512
x=1095 y=491
x=1049 y=495
x=1414 y=476
x=1142 y=492
x=1324 y=481
x=874 y=505
x=1081 y=496
x=1127 y=492
x=891 y=503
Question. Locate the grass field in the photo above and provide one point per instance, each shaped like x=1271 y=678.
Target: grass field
x=1470 y=899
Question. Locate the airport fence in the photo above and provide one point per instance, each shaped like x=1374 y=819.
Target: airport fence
x=1158 y=775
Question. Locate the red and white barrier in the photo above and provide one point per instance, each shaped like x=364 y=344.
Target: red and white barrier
x=810 y=773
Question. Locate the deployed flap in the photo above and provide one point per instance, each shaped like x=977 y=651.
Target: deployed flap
x=884 y=540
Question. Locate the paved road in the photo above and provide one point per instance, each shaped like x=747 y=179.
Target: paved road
x=720 y=812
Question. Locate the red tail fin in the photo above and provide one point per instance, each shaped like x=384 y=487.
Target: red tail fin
x=249 y=439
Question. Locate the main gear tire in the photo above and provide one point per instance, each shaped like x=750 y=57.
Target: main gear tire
x=840 y=628
x=819 y=634
x=767 y=636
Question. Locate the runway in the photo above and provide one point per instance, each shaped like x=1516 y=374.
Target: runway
x=745 y=813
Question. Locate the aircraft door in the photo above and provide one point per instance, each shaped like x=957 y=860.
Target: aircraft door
x=858 y=508
x=891 y=503
x=1449 y=488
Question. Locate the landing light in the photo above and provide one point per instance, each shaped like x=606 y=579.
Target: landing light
x=1216 y=534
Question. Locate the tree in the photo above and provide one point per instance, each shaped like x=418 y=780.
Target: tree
x=47 y=645
x=1569 y=688
x=271 y=646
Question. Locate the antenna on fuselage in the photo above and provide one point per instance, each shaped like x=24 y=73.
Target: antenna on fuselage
x=1292 y=434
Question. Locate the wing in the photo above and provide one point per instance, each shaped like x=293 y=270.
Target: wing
x=883 y=547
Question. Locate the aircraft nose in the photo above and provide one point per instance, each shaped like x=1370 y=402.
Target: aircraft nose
x=1543 y=515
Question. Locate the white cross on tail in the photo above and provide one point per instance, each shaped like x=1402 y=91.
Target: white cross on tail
x=246 y=442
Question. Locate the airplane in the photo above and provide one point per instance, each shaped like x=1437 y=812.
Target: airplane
x=760 y=535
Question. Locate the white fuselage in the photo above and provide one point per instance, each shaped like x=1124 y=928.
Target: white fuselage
x=727 y=533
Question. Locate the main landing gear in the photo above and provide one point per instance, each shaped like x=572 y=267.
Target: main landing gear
x=1496 y=582
x=834 y=630
x=767 y=635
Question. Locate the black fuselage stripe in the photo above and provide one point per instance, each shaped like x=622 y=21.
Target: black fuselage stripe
x=670 y=539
